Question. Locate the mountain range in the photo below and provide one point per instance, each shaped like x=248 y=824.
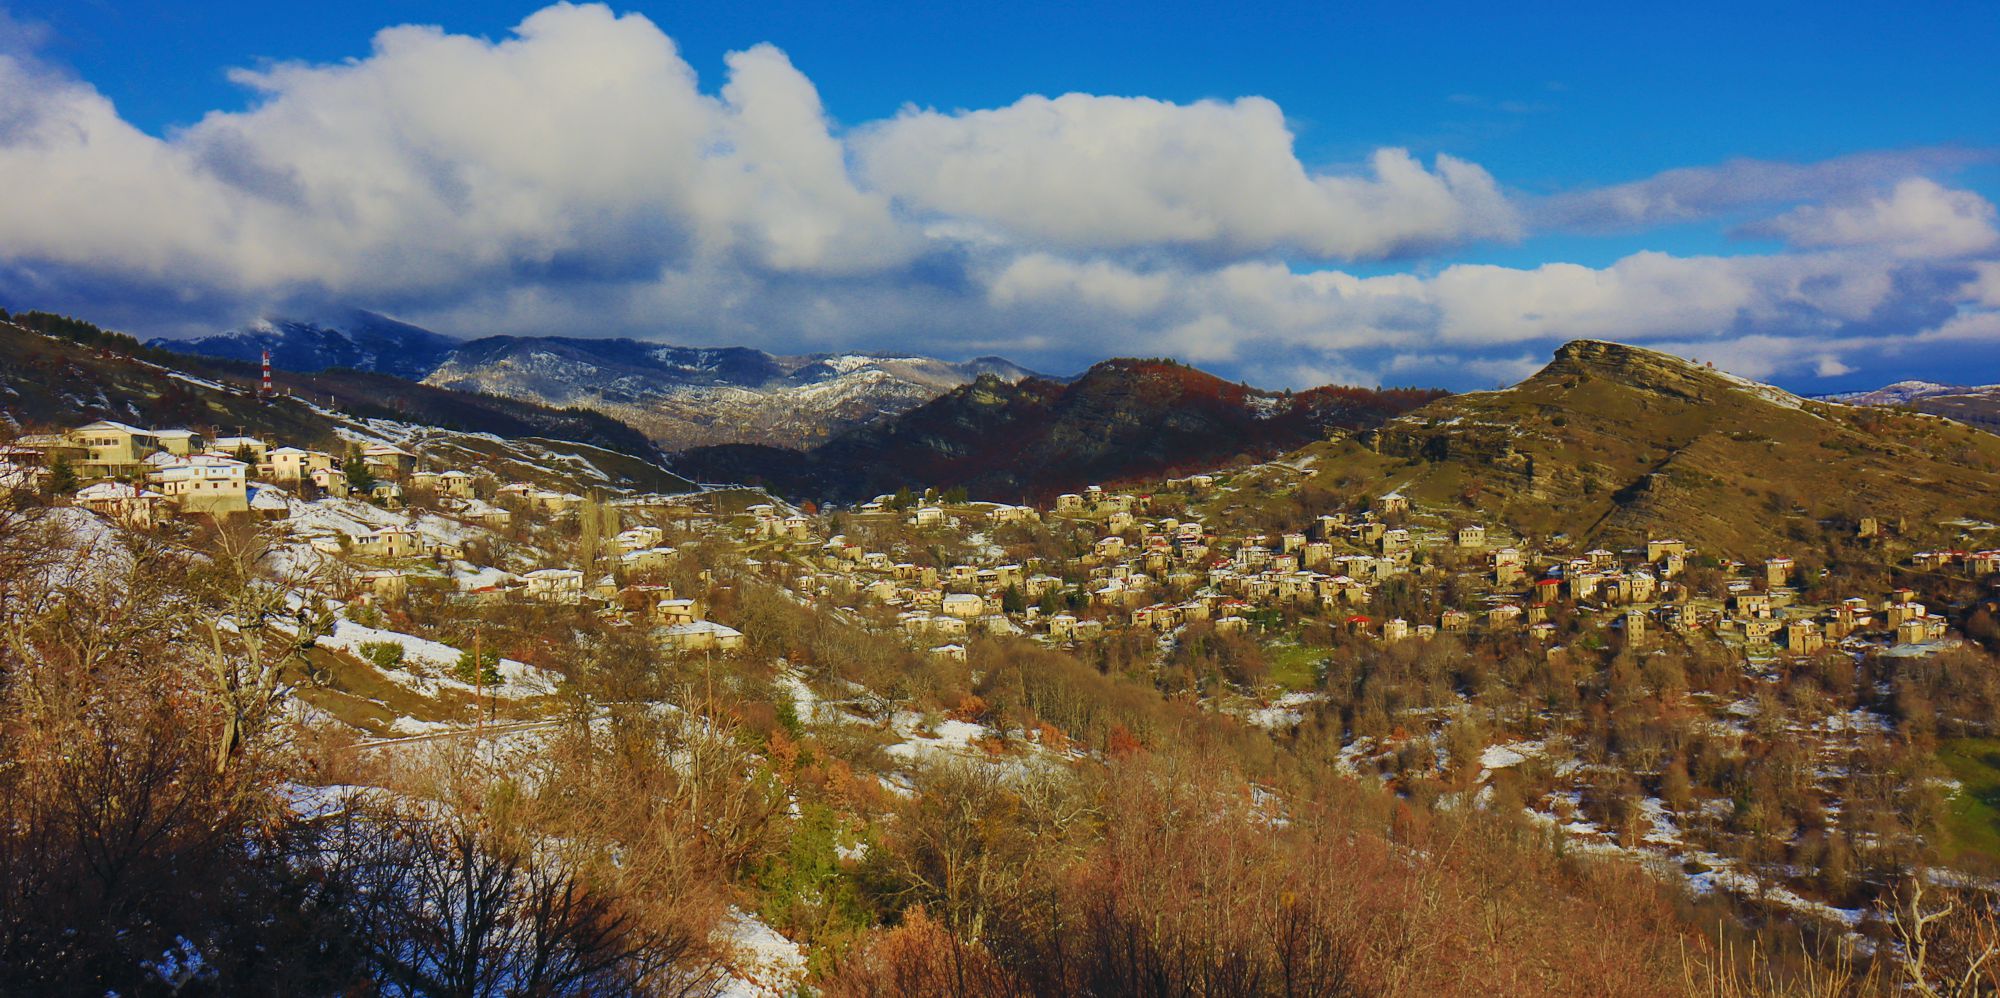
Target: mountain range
x=1608 y=444
x=361 y=341
x=678 y=396
x=1027 y=440
x=1978 y=405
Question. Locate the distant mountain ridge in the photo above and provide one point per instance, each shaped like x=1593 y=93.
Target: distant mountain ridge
x=689 y=396
x=1027 y=440
x=1978 y=405
x=679 y=396
x=363 y=341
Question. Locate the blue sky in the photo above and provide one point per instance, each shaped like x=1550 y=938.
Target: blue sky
x=1803 y=192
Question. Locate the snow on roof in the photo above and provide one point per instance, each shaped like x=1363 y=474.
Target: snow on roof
x=704 y=627
x=113 y=426
x=115 y=490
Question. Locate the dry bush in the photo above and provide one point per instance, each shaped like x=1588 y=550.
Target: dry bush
x=443 y=901
x=920 y=958
x=120 y=839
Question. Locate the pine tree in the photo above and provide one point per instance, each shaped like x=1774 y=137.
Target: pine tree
x=359 y=478
x=484 y=669
x=62 y=477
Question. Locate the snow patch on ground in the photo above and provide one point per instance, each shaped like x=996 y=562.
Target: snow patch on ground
x=518 y=680
x=1511 y=754
x=763 y=964
x=948 y=737
x=1284 y=712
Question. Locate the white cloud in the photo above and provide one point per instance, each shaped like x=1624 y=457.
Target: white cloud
x=1919 y=218
x=574 y=177
x=581 y=143
x=1688 y=194
x=1083 y=172
x=1756 y=315
x=1984 y=287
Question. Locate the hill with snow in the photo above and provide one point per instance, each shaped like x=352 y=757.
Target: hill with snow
x=679 y=396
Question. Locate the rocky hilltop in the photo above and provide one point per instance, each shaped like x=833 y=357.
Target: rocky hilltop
x=1613 y=443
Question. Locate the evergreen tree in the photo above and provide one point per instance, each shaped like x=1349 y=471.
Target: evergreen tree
x=359 y=478
x=1012 y=601
x=483 y=669
x=62 y=477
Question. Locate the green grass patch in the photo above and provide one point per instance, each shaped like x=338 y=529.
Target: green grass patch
x=1296 y=667
x=1972 y=823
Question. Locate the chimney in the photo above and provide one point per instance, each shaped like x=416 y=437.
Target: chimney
x=264 y=389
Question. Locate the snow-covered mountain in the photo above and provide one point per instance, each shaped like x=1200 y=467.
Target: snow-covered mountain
x=1977 y=405
x=679 y=396
x=1902 y=393
x=686 y=397
x=360 y=340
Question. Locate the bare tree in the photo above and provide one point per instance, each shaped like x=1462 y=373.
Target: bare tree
x=258 y=615
x=1947 y=950
x=448 y=906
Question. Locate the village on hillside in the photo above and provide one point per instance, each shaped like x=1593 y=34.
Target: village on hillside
x=393 y=515
x=1299 y=631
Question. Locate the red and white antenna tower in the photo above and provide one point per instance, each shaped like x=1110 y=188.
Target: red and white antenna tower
x=264 y=389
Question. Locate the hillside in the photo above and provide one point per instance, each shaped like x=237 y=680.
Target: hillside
x=764 y=744
x=74 y=372
x=1122 y=419
x=678 y=396
x=1614 y=444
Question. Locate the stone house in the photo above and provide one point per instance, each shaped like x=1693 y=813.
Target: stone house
x=128 y=504
x=701 y=635
x=211 y=485
x=112 y=448
x=553 y=585
x=294 y=464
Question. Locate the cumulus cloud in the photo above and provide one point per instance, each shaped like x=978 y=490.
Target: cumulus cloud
x=1759 y=315
x=1919 y=218
x=575 y=176
x=1084 y=172
x=580 y=145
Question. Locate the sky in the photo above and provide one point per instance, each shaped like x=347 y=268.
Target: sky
x=1404 y=194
